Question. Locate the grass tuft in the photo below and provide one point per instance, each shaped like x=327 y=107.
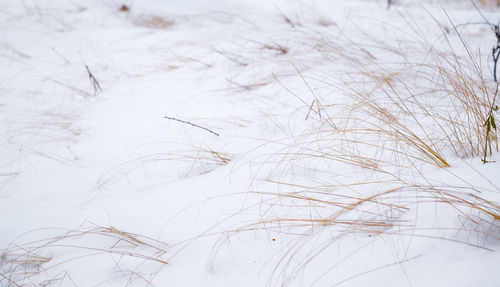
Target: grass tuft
x=130 y=255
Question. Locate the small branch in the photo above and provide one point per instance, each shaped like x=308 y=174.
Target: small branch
x=496 y=52
x=93 y=81
x=480 y=13
x=190 y=123
x=490 y=124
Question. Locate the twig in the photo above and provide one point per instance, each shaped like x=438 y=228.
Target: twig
x=496 y=49
x=190 y=123
x=490 y=124
x=93 y=81
x=496 y=52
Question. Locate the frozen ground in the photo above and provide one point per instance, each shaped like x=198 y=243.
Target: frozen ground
x=285 y=181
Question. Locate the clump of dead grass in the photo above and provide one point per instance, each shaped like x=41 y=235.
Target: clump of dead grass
x=174 y=165
x=154 y=22
x=489 y=2
x=375 y=151
x=426 y=110
x=49 y=261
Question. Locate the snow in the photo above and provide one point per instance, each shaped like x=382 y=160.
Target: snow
x=99 y=188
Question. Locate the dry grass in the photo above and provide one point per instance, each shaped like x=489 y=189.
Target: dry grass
x=425 y=109
x=310 y=220
x=132 y=256
x=399 y=123
x=153 y=22
x=489 y=2
x=366 y=166
x=166 y=166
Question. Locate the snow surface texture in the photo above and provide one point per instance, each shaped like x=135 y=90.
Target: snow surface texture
x=316 y=143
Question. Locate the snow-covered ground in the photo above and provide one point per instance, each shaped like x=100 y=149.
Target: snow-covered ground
x=245 y=143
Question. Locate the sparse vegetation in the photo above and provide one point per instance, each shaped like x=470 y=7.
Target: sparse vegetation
x=132 y=256
x=361 y=137
x=395 y=122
